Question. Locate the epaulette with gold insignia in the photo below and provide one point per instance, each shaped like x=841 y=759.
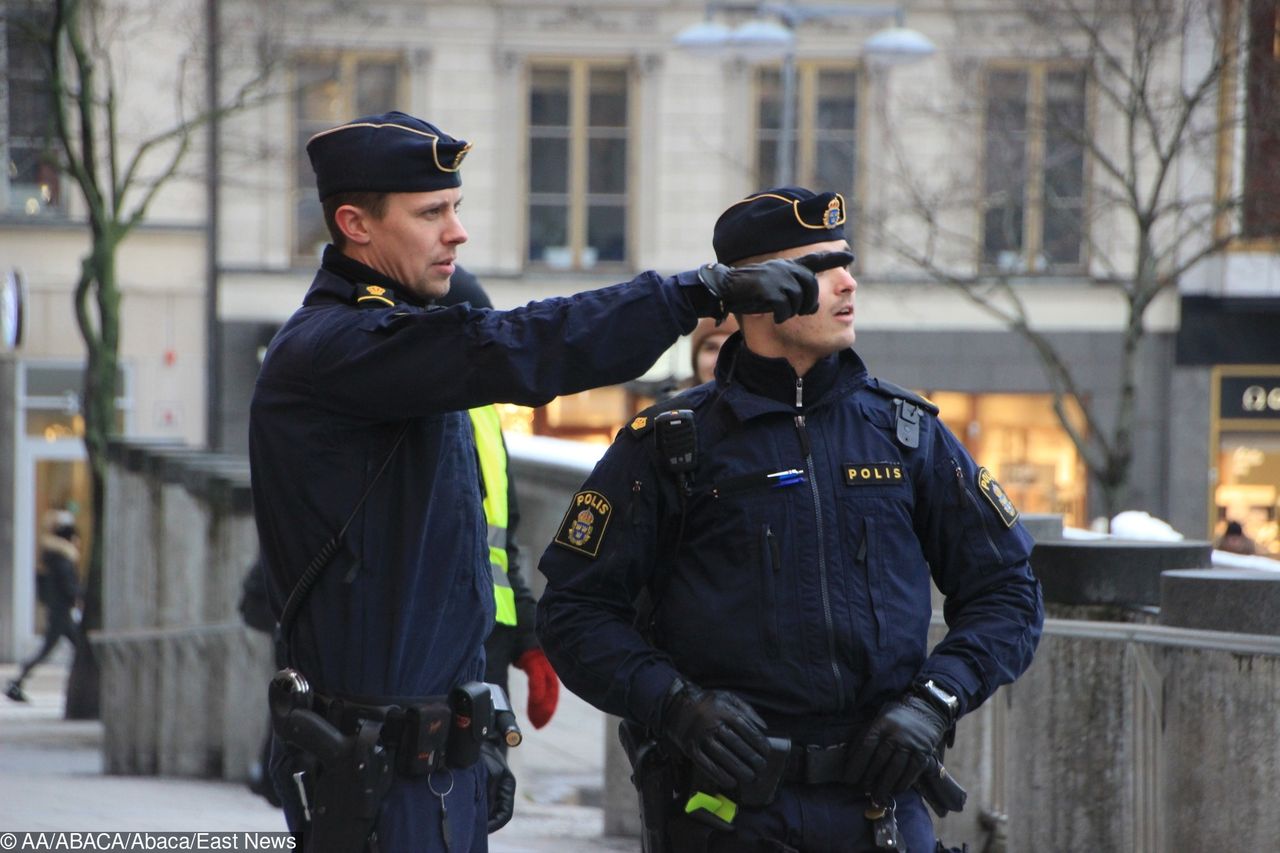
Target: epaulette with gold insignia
x=374 y=295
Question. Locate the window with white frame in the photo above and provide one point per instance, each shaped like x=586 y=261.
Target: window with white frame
x=1034 y=176
x=824 y=149
x=30 y=183
x=330 y=90
x=579 y=173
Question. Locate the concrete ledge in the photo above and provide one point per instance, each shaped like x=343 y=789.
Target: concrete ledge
x=1240 y=600
x=1111 y=571
x=1043 y=527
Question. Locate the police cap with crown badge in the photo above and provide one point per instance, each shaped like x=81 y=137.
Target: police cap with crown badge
x=391 y=152
x=777 y=219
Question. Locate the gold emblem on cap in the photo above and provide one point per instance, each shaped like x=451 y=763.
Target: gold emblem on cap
x=457 y=159
x=374 y=290
x=435 y=140
x=834 y=214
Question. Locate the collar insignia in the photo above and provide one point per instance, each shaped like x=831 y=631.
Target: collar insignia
x=375 y=293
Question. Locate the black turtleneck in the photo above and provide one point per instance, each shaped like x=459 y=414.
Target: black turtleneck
x=357 y=273
x=775 y=378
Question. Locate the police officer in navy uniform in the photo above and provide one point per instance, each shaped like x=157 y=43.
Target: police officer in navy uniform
x=776 y=582
x=364 y=471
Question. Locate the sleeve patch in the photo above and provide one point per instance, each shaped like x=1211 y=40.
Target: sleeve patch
x=583 y=527
x=996 y=495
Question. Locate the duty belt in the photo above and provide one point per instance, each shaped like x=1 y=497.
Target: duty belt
x=346 y=714
x=825 y=765
x=817 y=765
x=415 y=732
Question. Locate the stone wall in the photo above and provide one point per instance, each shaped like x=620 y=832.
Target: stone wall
x=183 y=680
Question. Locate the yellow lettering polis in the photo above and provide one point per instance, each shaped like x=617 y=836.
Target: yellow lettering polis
x=596 y=502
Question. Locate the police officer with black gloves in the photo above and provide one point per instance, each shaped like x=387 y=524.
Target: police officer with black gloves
x=366 y=492
x=745 y=579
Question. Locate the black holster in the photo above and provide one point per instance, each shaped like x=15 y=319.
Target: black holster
x=939 y=789
x=654 y=777
x=353 y=776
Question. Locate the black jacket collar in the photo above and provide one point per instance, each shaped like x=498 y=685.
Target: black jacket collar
x=370 y=287
x=753 y=383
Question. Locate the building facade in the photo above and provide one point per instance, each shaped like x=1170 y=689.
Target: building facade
x=983 y=183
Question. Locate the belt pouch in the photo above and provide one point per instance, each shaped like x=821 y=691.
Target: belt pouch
x=423 y=739
x=472 y=707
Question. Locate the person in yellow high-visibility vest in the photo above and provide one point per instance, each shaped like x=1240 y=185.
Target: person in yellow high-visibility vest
x=513 y=641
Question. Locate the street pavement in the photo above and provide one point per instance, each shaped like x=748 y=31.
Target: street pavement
x=51 y=779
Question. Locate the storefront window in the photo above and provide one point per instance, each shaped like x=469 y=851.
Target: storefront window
x=1019 y=439
x=1248 y=490
x=1247 y=447
x=593 y=416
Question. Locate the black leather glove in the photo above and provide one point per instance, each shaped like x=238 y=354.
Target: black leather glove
x=897 y=747
x=720 y=733
x=502 y=785
x=818 y=262
x=781 y=287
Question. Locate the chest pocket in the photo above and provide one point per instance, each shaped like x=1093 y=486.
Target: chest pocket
x=744 y=551
x=888 y=575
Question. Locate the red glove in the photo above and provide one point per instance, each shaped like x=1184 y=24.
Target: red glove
x=544 y=686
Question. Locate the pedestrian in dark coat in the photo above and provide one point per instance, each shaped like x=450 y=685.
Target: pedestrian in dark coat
x=58 y=587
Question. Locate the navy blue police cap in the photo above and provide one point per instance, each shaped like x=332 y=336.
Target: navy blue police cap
x=392 y=152
x=777 y=219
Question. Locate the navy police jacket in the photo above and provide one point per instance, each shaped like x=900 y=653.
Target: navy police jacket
x=795 y=568
x=404 y=609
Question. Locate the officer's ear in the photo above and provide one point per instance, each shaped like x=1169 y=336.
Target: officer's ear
x=353 y=222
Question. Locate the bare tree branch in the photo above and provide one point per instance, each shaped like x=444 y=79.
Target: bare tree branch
x=1161 y=113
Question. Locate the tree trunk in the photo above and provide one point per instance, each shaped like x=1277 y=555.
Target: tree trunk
x=99 y=408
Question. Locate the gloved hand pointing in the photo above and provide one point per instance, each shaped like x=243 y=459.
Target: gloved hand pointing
x=544 y=686
x=897 y=747
x=784 y=288
x=720 y=733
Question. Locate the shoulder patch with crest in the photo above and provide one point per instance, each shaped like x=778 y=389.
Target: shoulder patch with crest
x=584 y=525
x=996 y=495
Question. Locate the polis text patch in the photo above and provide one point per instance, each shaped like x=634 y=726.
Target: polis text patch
x=584 y=524
x=872 y=473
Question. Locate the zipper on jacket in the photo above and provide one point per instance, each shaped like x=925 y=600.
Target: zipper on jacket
x=636 y=486
x=822 y=550
x=874 y=593
x=771 y=561
x=977 y=508
x=775 y=553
